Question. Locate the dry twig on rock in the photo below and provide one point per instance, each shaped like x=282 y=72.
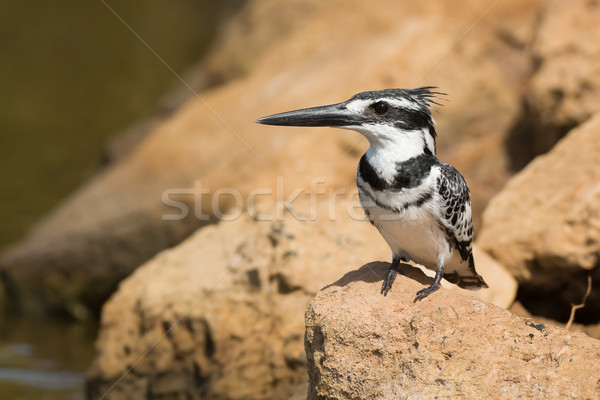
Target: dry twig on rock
x=575 y=307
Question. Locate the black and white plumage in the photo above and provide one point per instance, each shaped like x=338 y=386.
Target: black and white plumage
x=420 y=205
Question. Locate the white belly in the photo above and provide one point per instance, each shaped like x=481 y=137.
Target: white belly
x=415 y=234
x=411 y=233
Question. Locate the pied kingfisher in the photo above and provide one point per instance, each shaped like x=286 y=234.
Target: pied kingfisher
x=420 y=205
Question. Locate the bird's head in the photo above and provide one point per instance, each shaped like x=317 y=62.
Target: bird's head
x=388 y=118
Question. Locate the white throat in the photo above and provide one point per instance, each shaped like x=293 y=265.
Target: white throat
x=390 y=146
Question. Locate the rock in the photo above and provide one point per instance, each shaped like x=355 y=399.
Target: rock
x=563 y=91
x=566 y=50
x=360 y=345
x=75 y=257
x=544 y=226
x=226 y=321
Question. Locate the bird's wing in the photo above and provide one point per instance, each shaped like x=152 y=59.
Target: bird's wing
x=455 y=218
x=455 y=213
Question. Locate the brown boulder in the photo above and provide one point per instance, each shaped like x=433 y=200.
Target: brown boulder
x=563 y=91
x=544 y=226
x=360 y=345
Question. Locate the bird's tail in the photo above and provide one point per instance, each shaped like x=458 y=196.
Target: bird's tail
x=472 y=281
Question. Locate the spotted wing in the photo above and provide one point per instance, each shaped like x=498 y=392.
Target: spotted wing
x=457 y=223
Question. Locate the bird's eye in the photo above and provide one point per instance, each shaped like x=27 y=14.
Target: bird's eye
x=381 y=107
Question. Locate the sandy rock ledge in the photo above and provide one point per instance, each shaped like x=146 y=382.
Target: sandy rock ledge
x=361 y=345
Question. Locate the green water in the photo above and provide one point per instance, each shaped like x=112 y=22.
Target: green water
x=71 y=76
x=42 y=359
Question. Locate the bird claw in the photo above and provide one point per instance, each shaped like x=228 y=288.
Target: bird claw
x=421 y=294
x=390 y=277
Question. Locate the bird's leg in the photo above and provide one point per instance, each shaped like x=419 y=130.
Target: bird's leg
x=421 y=294
x=390 y=275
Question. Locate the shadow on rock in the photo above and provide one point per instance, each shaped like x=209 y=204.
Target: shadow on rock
x=375 y=271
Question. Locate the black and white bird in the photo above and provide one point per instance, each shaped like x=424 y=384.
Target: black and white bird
x=420 y=205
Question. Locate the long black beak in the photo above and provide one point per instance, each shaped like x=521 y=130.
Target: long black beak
x=332 y=115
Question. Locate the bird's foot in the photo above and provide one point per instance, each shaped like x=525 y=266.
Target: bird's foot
x=390 y=277
x=421 y=294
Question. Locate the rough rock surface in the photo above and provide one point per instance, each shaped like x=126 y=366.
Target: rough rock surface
x=226 y=322
x=74 y=259
x=566 y=81
x=363 y=346
x=544 y=226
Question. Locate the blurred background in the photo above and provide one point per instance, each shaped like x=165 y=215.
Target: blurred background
x=110 y=108
x=74 y=77
x=75 y=80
